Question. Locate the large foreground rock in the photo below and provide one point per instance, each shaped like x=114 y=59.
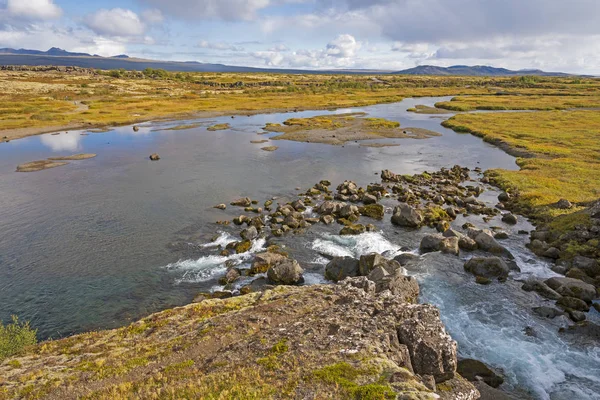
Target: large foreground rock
x=255 y=346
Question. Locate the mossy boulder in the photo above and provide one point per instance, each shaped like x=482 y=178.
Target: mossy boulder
x=375 y=211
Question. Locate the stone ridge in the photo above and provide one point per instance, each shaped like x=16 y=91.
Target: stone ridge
x=323 y=341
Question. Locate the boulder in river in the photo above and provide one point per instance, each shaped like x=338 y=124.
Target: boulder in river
x=369 y=262
x=405 y=215
x=375 y=211
x=154 y=157
x=474 y=370
x=250 y=233
x=487 y=267
x=437 y=242
x=244 y=202
x=286 y=272
x=573 y=288
x=509 y=219
x=341 y=268
x=263 y=261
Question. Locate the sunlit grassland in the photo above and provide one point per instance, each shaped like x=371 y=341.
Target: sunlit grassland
x=512 y=102
x=565 y=150
x=41 y=99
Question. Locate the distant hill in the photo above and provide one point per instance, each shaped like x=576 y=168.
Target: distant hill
x=477 y=70
x=60 y=57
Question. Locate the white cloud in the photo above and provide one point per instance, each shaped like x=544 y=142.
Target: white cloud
x=219 y=46
x=344 y=46
x=115 y=22
x=153 y=16
x=205 y=9
x=280 y=48
x=33 y=9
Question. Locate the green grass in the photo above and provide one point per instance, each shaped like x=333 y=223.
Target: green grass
x=15 y=337
x=564 y=149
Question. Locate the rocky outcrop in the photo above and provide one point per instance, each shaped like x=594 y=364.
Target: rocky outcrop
x=267 y=341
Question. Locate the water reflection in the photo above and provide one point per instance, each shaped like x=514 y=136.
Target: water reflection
x=62 y=142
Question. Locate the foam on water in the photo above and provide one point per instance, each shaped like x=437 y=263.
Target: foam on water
x=488 y=322
x=354 y=246
x=208 y=267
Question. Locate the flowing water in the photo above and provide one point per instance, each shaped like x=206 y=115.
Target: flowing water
x=100 y=242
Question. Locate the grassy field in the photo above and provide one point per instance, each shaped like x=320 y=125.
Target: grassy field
x=36 y=102
x=520 y=102
x=563 y=149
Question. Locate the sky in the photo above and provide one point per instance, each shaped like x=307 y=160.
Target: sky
x=553 y=35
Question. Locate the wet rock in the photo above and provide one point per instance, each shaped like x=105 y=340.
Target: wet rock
x=136 y=128
x=548 y=312
x=586 y=264
x=503 y=197
x=286 y=272
x=243 y=246
x=348 y=210
x=241 y=220
x=573 y=288
x=509 y=219
x=576 y=316
x=474 y=370
x=567 y=302
x=576 y=273
x=369 y=262
x=541 y=288
x=291 y=222
x=154 y=157
x=500 y=235
x=327 y=219
x=245 y=202
x=375 y=211
x=298 y=205
x=369 y=199
x=437 y=242
x=221 y=206
x=405 y=215
x=487 y=267
x=341 y=268
x=250 y=233
x=552 y=252
x=354 y=229
x=263 y=261
x=486 y=242
x=232 y=275
x=407 y=258
x=388 y=176
x=432 y=351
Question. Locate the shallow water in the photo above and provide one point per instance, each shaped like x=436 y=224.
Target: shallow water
x=100 y=242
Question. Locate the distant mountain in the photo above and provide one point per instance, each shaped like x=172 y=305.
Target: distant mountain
x=477 y=70
x=54 y=51
x=60 y=57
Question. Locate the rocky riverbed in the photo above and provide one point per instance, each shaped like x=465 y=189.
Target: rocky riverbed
x=430 y=200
